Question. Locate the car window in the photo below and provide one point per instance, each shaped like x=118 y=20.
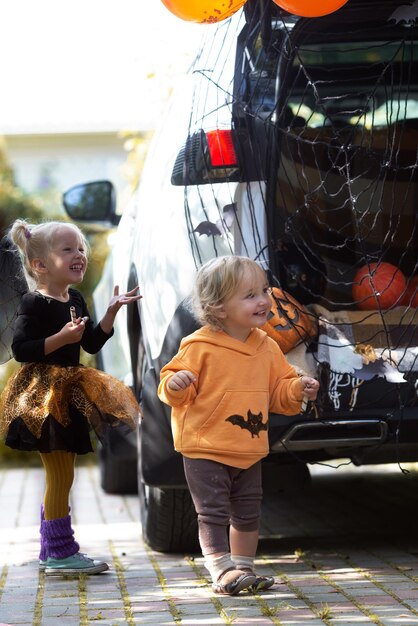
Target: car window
x=346 y=175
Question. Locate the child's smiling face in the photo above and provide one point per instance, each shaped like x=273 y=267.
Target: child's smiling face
x=66 y=261
x=248 y=307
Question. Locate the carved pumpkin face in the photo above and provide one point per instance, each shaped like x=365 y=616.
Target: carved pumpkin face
x=288 y=322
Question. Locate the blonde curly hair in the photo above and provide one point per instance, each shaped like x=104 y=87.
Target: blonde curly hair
x=217 y=281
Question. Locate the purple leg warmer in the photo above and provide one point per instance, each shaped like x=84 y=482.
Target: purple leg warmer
x=59 y=538
x=43 y=555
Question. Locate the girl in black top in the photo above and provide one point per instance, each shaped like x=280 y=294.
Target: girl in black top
x=51 y=403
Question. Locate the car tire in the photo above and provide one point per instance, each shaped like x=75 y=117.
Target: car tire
x=168 y=516
x=169 y=522
x=117 y=463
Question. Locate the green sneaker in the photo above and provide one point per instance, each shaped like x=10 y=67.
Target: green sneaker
x=42 y=565
x=74 y=565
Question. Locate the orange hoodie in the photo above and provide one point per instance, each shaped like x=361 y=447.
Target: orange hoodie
x=223 y=416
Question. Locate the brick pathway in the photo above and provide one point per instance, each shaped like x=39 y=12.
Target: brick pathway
x=322 y=585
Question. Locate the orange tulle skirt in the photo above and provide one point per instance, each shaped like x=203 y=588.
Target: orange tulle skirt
x=39 y=390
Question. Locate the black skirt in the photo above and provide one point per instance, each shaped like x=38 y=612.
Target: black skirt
x=73 y=438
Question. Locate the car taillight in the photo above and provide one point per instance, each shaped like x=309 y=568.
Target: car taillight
x=207 y=157
x=221 y=149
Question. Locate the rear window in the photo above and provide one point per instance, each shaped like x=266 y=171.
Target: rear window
x=345 y=53
x=346 y=184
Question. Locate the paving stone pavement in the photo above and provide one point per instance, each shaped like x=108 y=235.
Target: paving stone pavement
x=317 y=582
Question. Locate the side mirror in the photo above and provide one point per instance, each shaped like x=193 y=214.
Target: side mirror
x=93 y=202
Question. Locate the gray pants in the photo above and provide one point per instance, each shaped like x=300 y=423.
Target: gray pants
x=223 y=496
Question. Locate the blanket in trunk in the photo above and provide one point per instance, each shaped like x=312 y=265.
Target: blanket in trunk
x=363 y=356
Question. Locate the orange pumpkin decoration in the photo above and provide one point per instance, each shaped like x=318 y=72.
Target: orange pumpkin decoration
x=378 y=285
x=410 y=297
x=288 y=322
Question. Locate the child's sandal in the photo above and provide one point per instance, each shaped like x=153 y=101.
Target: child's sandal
x=261 y=582
x=231 y=582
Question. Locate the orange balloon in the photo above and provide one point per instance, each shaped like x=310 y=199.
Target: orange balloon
x=203 y=11
x=310 y=8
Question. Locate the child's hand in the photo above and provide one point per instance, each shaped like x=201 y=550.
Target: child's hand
x=115 y=304
x=73 y=331
x=310 y=387
x=181 y=380
x=119 y=300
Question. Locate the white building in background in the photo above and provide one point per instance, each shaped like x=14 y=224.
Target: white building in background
x=56 y=161
x=65 y=145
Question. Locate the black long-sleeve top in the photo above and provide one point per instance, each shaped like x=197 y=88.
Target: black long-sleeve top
x=39 y=317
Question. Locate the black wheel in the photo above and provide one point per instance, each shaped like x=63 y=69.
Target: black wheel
x=118 y=461
x=168 y=517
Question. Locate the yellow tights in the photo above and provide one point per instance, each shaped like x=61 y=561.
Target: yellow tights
x=59 y=477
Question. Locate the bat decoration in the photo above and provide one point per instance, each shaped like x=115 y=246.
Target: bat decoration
x=12 y=286
x=207 y=228
x=253 y=423
x=407 y=13
x=222 y=226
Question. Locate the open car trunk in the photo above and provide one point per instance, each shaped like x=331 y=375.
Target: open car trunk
x=345 y=198
x=329 y=107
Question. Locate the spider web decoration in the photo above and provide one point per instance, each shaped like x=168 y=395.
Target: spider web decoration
x=324 y=120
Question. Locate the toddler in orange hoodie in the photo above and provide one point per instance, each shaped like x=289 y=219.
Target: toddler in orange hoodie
x=223 y=382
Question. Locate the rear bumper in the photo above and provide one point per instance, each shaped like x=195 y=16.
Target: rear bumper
x=332 y=433
x=362 y=436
